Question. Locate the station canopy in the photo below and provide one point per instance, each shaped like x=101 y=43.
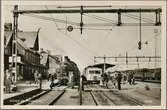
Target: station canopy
x=101 y=65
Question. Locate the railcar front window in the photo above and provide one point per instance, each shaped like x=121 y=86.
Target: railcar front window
x=97 y=72
x=91 y=72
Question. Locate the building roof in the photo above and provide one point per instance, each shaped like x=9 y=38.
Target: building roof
x=101 y=65
x=29 y=36
x=21 y=43
x=57 y=58
x=7 y=36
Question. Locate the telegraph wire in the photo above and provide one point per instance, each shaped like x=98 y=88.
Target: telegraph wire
x=133 y=17
x=71 y=37
x=88 y=28
x=87 y=25
x=99 y=18
x=144 y=18
x=42 y=17
x=88 y=6
x=52 y=19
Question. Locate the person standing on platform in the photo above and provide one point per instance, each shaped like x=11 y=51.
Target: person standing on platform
x=8 y=81
x=40 y=80
x=35 y=77
x=115 y=80
x=130 y=78
x=52 y=81
x=72 y=80
x=84 y=81
x=105 y=79
x=119 y=78
x=133 y=78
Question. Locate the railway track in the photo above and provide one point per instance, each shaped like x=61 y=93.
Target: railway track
x=46 y=97
x=108 y=97
x=94 y=95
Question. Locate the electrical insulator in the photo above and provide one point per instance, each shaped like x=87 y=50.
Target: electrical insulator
x=139 y=45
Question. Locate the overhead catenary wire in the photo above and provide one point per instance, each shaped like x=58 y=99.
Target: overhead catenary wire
x=88 y=24
x=135 y=46
x=52 y=19
x=115 y=24
x=88 y=28
x=64 y=22
x=88 y=6
x=137 y=18
x=143 y=18
x=71 y=37
x=78 y=23
x=100 y=18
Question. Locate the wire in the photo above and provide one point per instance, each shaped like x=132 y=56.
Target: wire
x=99 y=18
x=72 y=38
x=144 y=18
x=133 y=17
x=87 y=25
x=52 y=19
x=88 y=28
x=88 y=6
x=115 y=24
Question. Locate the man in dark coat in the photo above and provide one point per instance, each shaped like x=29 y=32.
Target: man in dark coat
x=119 y=78
x=84 y=81
x=105 y=79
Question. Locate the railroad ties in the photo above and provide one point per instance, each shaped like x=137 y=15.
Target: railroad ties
x=107 y=97
x=93 y=95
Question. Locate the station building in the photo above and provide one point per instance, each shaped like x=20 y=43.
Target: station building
x=27 y=52
x=53 y=63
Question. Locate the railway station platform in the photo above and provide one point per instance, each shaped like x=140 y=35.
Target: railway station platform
x=146 y=92
x=25 y=87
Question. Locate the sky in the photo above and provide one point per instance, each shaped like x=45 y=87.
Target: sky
x=108 y=40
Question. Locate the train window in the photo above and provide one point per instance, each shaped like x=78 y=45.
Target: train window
x=91 y=72
x=97 y=72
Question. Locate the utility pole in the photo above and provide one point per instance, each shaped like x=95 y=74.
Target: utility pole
x=81 y=23
x=140 y=31
x=104 y=64
x=127 y=59
x=155 y=31
x=138 y=62
x=82 y=11
x=94 y=60
x=14 y=44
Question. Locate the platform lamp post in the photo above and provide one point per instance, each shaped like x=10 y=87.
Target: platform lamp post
x=14 y=44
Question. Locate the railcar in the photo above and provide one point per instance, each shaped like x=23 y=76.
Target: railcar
x=147 y=74
x=93 y=75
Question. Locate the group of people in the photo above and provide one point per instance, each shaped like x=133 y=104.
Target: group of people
x=117 y=80
x=38 y=78
x=52 y=78
x=105 y=79
x=131 y=78
x=9 y=81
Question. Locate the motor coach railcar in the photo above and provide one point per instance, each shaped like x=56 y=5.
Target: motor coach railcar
x=93 y=75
